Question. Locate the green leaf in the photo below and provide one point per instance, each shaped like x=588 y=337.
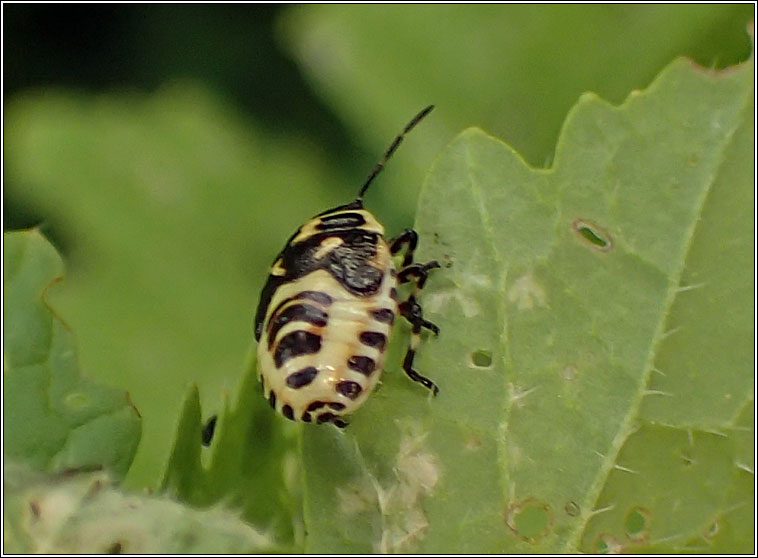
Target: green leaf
x=82 y=513
x=53 y=418
x=515 y=70
x=253 y=468
x=595 y=354
x=173 y=206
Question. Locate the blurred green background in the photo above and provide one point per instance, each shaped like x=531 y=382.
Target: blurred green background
x=169 y=150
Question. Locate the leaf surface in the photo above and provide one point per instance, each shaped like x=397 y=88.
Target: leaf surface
x=253 y=466
x=172 y=206
x=515 y=70
x=575 y=413
x=54 y=419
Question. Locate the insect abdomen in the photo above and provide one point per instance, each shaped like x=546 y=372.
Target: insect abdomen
x=322 y=348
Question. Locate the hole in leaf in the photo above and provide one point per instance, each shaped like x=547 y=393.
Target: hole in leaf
x=572 y=508
x=481 y=358
x=606 y=544
x=595 y=236
x=637 y=524
x=529 y=519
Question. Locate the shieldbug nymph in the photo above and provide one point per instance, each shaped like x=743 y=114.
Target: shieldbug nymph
x=327 y=309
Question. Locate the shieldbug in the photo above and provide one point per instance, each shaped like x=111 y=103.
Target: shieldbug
x=327 y=310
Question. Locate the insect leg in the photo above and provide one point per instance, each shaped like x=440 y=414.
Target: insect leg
x=408 y=237
x=411 y=310
x=419 y=272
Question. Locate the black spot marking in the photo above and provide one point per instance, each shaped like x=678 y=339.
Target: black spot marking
x=316 y=296
x=355 y=204
x=363 y=280
x=273 y=283
x=393 y=293
x=362 y=364
x=339 y=423
x=325 y=417
x=302 y=377
x=295 y=313
x=315 y=405
x=349 y=389
x=347 y=262
x=384 y=315
x=306 y=417
x=373 y=339
x=272 y=399
x=295 y=344
x=350 y=264
x=336 y=406
x=345 y=220
x=287 y=412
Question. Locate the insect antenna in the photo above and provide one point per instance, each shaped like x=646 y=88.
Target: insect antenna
x=380 y=165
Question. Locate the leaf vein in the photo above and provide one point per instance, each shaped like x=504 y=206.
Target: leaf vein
x=627 y=425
